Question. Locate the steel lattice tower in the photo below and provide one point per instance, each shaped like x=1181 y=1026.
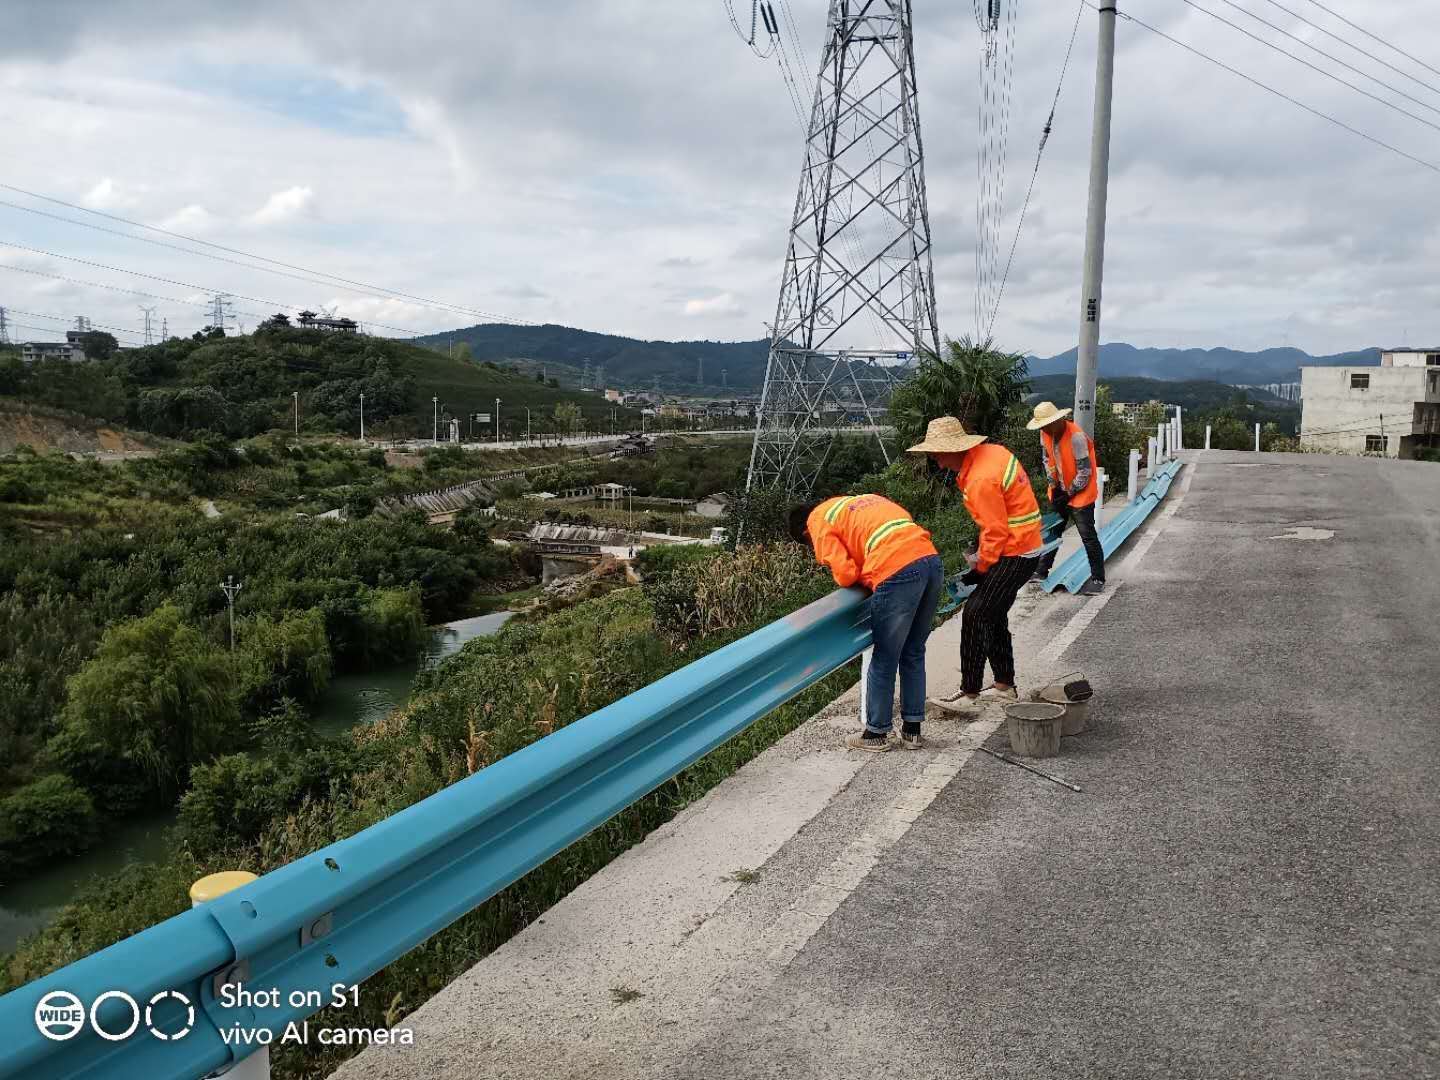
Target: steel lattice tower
x=857 y=299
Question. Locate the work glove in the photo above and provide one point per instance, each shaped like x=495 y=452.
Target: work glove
x=1060 y=501
x=971 y=577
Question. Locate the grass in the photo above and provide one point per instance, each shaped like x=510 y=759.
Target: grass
x=497 y=695
x=466 y=387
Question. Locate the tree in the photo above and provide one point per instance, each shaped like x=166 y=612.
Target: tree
x=156 y=694
x=98 y=345
x=567 y=416
x=977 y=383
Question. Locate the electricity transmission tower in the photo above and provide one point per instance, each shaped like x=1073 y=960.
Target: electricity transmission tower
x=220 y=305
x=857 y=297
x=149 y=316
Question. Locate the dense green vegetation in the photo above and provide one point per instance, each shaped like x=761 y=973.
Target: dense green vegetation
x=245 y=385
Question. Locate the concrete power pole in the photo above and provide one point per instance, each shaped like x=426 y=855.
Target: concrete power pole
x=1086 y=360
x=4 y=329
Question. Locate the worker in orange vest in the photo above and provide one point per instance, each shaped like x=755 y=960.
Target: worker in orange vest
x=997 y=494
x=870 y=541
x=1073 y=470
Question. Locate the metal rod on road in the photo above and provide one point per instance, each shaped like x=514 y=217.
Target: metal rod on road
x=1087 y=356
x=1030 y=768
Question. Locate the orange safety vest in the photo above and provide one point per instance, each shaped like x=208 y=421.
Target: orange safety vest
x=1066 y=466
x=997 y=493
x=865 y=538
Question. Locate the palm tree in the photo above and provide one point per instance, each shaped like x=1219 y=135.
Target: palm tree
x=976 y=383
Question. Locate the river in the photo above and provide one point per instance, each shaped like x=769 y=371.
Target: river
x=355 y=698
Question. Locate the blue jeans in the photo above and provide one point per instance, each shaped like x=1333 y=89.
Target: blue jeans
x=901 y=612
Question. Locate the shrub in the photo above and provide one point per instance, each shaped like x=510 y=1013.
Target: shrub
x=49 y=817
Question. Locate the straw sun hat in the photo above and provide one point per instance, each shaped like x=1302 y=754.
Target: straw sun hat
x=1046 y=413
x=946 y=435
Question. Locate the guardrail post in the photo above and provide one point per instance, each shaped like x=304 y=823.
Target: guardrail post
x=1207 y=436
x=1133 y=486
x=864 y=680
x=212 y=887
x=1179 y=429
x=1100 y=490
x=1152 y=451
x=1257 y=438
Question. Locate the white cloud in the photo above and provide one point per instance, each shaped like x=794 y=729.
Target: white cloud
x=578 y=156
x=723 y=304
x=106 y=195
x=283 y=205
x=192 y=218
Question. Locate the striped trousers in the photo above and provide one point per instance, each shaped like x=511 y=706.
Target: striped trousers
x=985 y=624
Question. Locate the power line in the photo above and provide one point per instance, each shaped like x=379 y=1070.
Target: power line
x=1375 y=37
x=1039 y=153
x=70 y=318
x=1315 y=67
x=1271 y=90
x=426 y=301
x=1329 y=56
x=207 y=305
x=1351 y=45
x=182 y=284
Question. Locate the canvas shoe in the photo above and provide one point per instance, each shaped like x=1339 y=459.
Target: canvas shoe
x=1092 y=587
x=910 y=742
x=995 y=693
x=872 y=746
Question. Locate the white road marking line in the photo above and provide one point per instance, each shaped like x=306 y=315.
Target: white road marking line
x=1062 y=641
x=790 y=933
x=784 y=938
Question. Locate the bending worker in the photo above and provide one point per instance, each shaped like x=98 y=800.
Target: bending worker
x=997 y=494
x=871 y=541
x=1071 y=466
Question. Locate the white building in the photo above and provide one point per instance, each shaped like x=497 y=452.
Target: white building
x=1393 y=409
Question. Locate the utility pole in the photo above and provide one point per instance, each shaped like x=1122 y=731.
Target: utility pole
x=435 y=432
x=1088 y=354
x=230 y=587
x=4 y=330
x=296 y=395
x=497 y=421
x=362 y=417
x=527 y=425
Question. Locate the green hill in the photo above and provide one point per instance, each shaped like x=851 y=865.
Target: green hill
x=628 y=362
x=241 y=386
x=1191 y=394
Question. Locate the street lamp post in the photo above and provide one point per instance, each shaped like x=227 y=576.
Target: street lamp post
x=497 y=421
x=435 y=432
x=296 y=395
x=527 y=425
x=230 y=587
x=362 y=417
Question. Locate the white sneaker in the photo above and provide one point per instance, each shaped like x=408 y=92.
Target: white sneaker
x=959 y=704
x=996 y=693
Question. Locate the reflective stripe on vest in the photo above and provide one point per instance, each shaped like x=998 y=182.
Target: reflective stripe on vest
x=834 y=512
x=891 y=526
x=1024 y=519
x=1010 y=471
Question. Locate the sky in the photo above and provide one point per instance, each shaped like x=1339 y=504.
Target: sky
x=631 y=167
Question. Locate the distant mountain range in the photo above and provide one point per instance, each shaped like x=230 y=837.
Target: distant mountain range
x=1214 y=365
x=629 y=363
x=697 y=365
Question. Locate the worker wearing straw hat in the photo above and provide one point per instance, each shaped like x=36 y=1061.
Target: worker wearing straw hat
x=997 y=494
x=1070 y=464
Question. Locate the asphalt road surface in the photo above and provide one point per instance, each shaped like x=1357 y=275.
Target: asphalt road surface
x=1249 y=884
